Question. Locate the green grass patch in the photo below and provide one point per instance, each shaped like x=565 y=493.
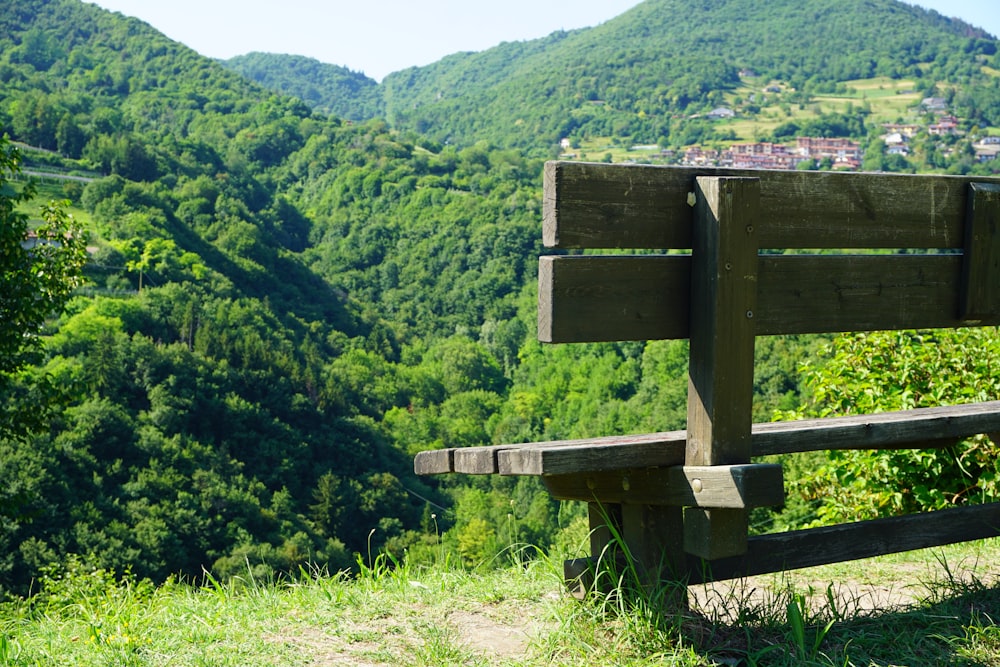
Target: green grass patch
x=834 y=615
x=51 y=190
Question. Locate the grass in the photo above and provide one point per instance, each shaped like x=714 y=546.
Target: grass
x=48 y=191
x=521 y=615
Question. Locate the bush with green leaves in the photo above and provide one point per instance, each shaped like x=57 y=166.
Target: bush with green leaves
x=882 y=371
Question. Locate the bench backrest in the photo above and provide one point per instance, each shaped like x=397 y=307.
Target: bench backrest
x=947 y=275
x=939 y=266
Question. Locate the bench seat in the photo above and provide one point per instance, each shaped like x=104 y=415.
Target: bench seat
x=904 y=429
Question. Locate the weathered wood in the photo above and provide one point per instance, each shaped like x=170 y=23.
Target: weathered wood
x=723 y=312
x=721 y=297
x=720 y=365
x=584 y=299
x=846 y=542
x=596 y=299
x=651 y=450
x=553 y=457
x=740 y=486
x=477 y=460
x=922 y=428
x=652 y=535
x=835 y=544
x=981 y=262
x=434 y=462
x=639 y=206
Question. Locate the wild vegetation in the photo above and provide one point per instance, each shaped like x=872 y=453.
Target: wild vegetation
x=901 y=611
x=280 y=306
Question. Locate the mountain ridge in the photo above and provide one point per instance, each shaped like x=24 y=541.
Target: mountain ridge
x=668 y=57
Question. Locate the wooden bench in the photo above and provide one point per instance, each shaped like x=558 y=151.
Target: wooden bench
x=680 y=500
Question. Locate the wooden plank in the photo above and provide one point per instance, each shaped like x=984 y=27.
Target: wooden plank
x=596 y=299
x=651 y=535
x=981 y=264
x=434 y=462
x=600 y=298
x=922 y=428
x=845 y=542
x=640 y=206
x=532 y=458
x=741 y=486
x=723 y=313
x=860 y=293
x=614 y=453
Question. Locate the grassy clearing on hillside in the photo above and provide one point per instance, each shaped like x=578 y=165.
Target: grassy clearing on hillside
x=51 y=190
x=888 y=99
x=940 y=612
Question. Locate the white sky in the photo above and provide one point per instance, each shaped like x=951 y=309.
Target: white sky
x=382 y=36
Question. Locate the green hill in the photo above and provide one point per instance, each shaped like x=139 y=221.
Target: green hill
x=329 y=89
x=266 y=285
x=642 y=75
x=282 y=306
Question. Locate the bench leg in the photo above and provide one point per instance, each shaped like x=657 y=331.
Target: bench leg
x=638 y=547
x=654 y=536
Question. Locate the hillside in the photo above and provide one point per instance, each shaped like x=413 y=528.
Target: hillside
x=645 y=76
x=329 y=89
x=643 y=73
x=282 y=306
x=266 y=286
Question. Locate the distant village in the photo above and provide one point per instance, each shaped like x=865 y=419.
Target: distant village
x=843 y=154
x=832 y=153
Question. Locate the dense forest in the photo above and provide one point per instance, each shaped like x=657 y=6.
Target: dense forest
x=329 y=89
x=288 y=296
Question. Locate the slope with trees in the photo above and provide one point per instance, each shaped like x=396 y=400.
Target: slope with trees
x=329 y=89
x=281 y=306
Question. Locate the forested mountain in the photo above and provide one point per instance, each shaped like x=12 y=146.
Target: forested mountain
x=329 y=89
x=283 y=306
x=265 y=286
x=641 y=74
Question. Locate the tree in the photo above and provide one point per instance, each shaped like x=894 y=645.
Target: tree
x=897 y=370
x=38 y=271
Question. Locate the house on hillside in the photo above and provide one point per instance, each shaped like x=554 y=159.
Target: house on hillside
x=907 y=130
x=763 y=155
x=945 y=126
x=844 y=153
x=896 y=144
x=720 y=113
x=934 y=104
x=987 y=149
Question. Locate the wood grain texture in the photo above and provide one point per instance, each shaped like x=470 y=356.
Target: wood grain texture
x=654 y=450
x=835 y=544
x=720 y=363
x=723 y=312
x=981 y=261
x=639 y=206
x=434 y=462
x=916 y=429
x=597 y=299
x=846 y=542
x=904 y=429
x=742 y=486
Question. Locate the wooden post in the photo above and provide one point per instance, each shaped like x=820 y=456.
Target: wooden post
x=720 y=377
x=981 y=259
